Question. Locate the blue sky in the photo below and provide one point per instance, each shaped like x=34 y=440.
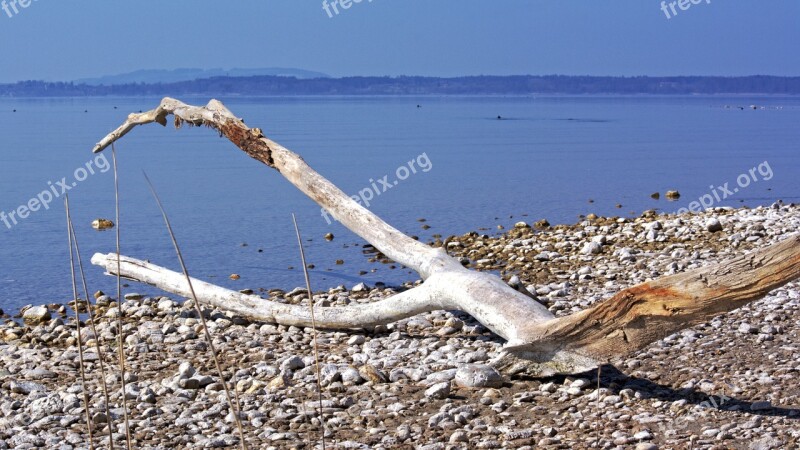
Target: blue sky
x=70 y=39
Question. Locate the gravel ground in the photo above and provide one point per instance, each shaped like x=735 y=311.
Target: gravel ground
x=426 y=382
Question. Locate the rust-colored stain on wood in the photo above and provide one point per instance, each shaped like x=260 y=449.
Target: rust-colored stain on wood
x=249 y=140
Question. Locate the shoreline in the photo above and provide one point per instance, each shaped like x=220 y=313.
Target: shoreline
x=500 y=234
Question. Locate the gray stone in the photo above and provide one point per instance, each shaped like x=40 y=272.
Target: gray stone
x=761 y=406
x=26 y=387
x=548 y=387
x=329 y=373
x=438 y=391
x=39 y=374
x=166 y=305
x=204 y=380
x=360 y=287
x=350 y=376
x=45 y=406
x=438 y=377
x=747 y=328
x=643 y=435
x=766 y=443
x=478 y=376
x=646 y=446
x=189 y=383
x=292 y=363
x=36 y=314
x=592 y=248
x=713 y=225
x=459 y=436
x=356 y=340
x=185 y=370
x=580 y=383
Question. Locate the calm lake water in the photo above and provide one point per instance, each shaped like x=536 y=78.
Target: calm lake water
x=547 y=158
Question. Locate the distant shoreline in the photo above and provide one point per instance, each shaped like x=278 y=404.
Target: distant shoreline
x=229 y=96
x=525 y=85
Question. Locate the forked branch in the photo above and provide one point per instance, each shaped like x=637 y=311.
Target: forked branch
x=544 y=344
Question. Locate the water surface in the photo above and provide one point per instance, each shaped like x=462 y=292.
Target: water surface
x=547 y=157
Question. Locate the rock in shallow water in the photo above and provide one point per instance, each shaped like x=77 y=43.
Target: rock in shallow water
x=102 y=224
x=360 y=287
x=36 y=314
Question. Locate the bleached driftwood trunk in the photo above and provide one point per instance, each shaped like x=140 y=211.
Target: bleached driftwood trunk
x=538 y=342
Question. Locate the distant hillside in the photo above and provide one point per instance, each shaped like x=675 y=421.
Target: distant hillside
x=178 y=75
x=477 y=85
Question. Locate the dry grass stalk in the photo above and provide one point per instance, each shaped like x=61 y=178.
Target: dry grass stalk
x=120 y=337
x=78 y=324
x=98 y=347
x=313 y=326
x=234 y=407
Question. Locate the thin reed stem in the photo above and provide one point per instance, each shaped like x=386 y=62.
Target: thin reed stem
x=313 y=326
x=120 y=337
x=98 y=347
x=78 y=325
x=234 y=407
x=597 y=404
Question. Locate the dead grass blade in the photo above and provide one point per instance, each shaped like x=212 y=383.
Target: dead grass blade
x=98 y=347
x=313 y=325
x=120 y=333
x=78 y=324
x=234 y=408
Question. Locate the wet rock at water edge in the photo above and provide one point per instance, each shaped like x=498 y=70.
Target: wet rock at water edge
x=36 y=314
x=102 y=224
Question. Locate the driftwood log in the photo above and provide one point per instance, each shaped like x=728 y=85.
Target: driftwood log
x=538 y=343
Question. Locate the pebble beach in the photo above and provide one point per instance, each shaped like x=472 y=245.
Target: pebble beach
x=427 y=382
